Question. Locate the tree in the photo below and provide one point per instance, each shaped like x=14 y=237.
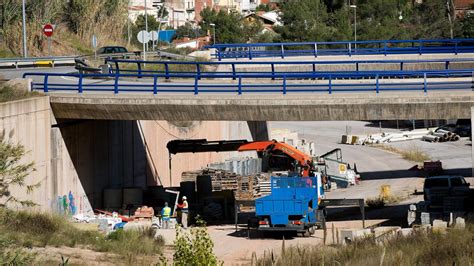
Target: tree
x=229 y=27
x=304 y=20
x=13 y=172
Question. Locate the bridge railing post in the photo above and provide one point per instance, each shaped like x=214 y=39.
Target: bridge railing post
x=349 y=49
x=167 y=71
x=330 y=84
x=377 y=83
x=139 y=68
x=273 y=71
x=425 y=87
x=357 y=66
x=117 y=67
x=79 y=85
x=233 y=71
x=446 y=65
x=155 y=84
x=45 y=83
x=239 y=86
x=456 y=48
x=314 y=71
x=219 y=56
x=420 y=47
x=250 y=53
x=284 y=84
x=282 y=51
x=198 y=70
x=401 y=65
x=196 y=85
x=315 y=50
x=385 y=48
x=116 y=88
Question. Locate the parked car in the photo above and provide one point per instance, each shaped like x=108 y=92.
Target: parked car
x=437 y=188
x=112 y=50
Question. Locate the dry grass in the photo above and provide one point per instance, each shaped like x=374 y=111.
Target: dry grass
x=456 y=247
x=8 y=93
x=414 y=154
x=29 y=229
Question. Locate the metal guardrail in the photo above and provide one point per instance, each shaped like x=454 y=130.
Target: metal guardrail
x=327 y=83
x=383 y=47
x=37 y=61
x=199 y=67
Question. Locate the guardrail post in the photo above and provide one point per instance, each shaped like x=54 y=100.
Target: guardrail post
x=167 y=72
x=446 y=65
x=198 y=70
x=315 y=50
x=239 y=88
x=330 y=84
x=357 y=66
x=233 y=71
x=79 y=86
x=425 y=89
x=155 y=85
x=139 y=68
x=282 y=51
x=349 y=47
x=45 y=83
x=401 y=66
x=273 y=71
x=314 y=71
x=284 y=84
x=196 y=90
x=116 y=89
x=377 y=83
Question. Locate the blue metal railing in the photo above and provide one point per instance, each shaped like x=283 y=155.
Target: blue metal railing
x=138 y=66
x=286 y=83
x=383 y=47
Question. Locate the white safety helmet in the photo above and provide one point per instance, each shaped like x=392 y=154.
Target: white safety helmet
x=184 y=198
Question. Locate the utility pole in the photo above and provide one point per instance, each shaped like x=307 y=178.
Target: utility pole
x=25 y=50
x=146 y=22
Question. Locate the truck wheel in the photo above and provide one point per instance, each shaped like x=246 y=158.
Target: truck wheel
x=312 y=230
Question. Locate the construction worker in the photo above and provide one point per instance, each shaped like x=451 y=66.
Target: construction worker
x=165 y=215
x=184 y=212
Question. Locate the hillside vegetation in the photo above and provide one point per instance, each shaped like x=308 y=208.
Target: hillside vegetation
x=76 y=22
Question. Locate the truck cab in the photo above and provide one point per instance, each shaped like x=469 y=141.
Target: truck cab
x=293 y=205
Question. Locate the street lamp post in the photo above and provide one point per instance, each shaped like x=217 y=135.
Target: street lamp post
x=214 y=31
x=355 y=25
x=25 y=51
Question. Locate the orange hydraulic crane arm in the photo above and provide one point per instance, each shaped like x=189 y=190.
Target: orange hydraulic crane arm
x=294 y=153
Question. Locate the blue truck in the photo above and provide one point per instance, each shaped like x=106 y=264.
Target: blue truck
x=293 y=205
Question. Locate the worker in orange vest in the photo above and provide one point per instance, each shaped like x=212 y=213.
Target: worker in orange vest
x=184 y=212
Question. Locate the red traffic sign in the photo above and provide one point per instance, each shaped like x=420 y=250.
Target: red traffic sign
x=48 y=30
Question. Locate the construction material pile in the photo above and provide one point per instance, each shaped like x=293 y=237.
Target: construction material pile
x=251 y=187
x=441 y=135
x=221 y=179
x=429 y=134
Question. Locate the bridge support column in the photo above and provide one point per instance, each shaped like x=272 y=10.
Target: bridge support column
x=259 y=130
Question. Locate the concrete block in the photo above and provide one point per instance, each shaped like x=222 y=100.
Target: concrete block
x=386 y=230
x=460 y=223
x=439 y=225
x=405 y=232
x=139 y=225
x=23 y=85
x=349 y=235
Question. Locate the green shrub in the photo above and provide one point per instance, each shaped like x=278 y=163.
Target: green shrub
x=194 y=247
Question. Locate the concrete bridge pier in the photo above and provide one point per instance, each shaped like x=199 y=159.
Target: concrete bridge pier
x=259 y=130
